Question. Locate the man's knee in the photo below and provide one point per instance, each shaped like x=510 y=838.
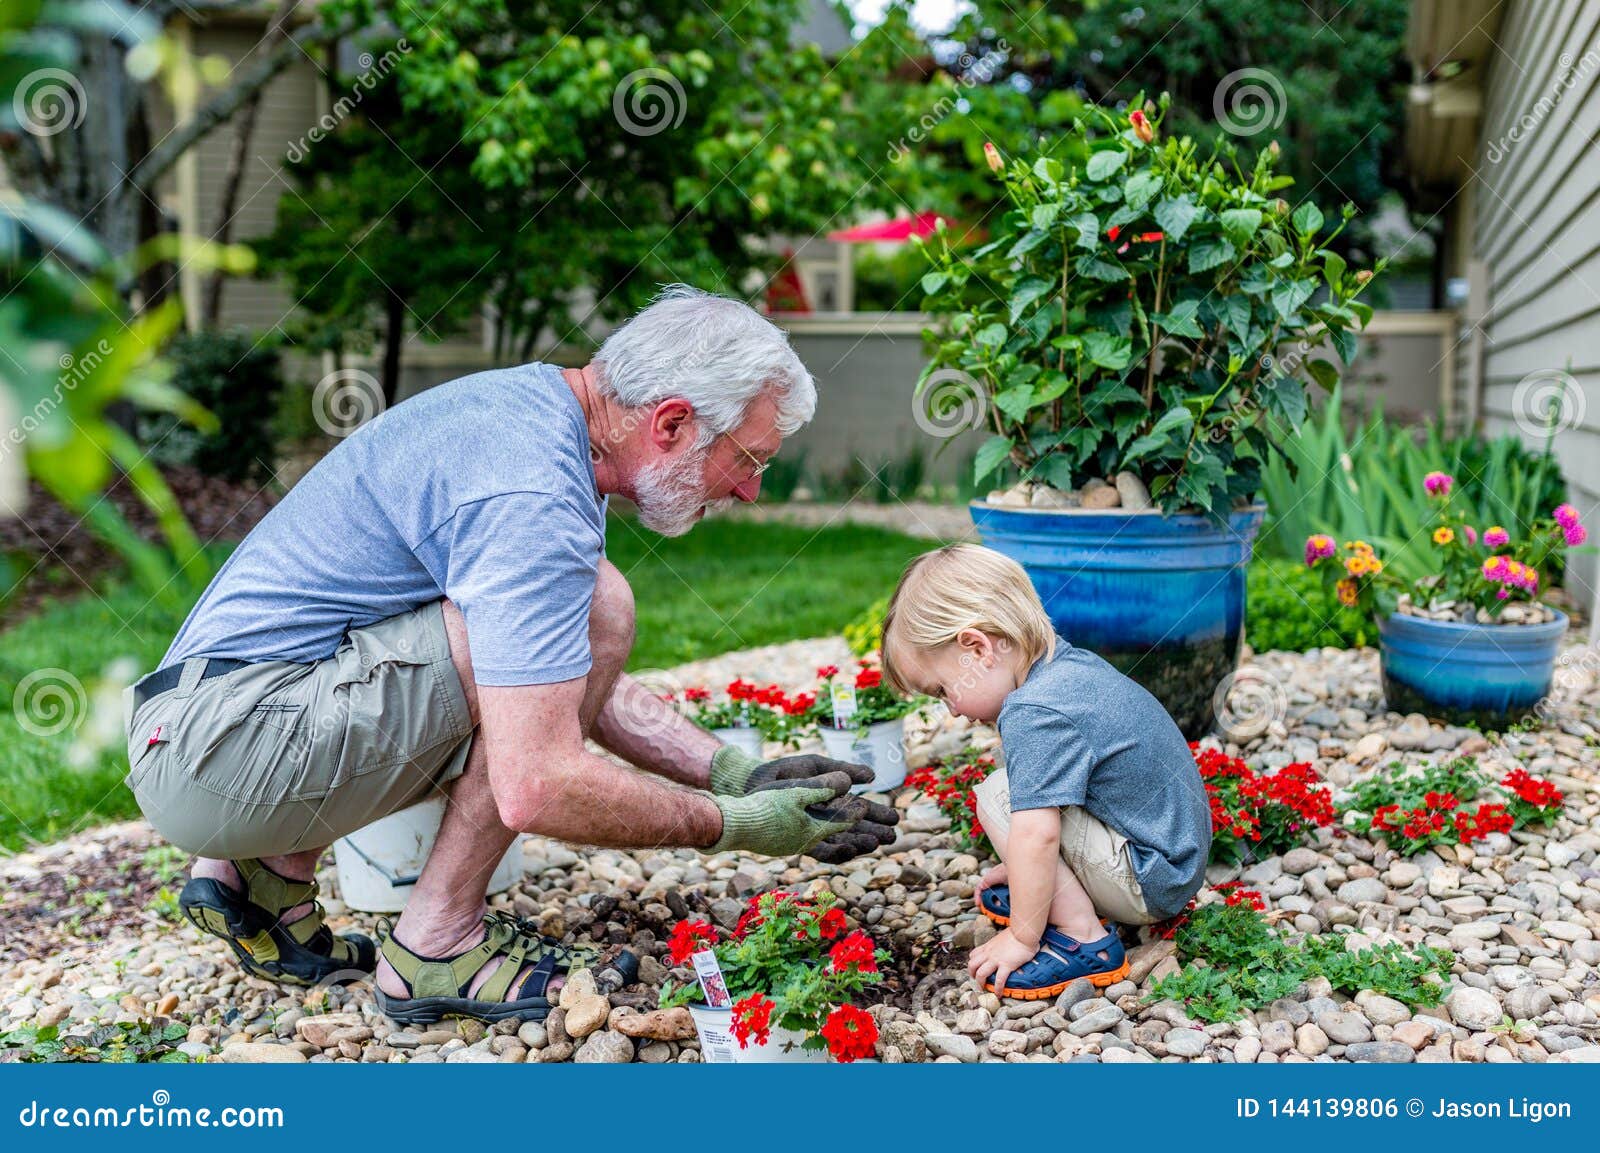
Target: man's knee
x=611 y=613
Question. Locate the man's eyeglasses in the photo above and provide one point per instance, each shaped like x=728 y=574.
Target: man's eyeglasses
x=757 y=465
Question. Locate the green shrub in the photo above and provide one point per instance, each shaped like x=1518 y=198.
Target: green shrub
x=236 y=377
x=1290 y=608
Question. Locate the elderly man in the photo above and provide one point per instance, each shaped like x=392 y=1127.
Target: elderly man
x=430 y=608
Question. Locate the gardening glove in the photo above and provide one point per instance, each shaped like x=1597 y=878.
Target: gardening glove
x=735 y=773
x=788 y=817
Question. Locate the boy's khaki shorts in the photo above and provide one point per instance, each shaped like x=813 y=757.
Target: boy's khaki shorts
x=277 y=757
x=1096 y=853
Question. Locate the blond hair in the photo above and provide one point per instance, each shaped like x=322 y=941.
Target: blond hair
x=963 y=586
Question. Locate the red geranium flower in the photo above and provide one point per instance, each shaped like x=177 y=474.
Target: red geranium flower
x=741 y=690
x=827 y=671
x=851 y=1033
x=697 y=694
x=869 y=679
x=752 y=1020
x=688 y=938
x=829 y=925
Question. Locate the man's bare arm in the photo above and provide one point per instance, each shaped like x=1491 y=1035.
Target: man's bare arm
x=546 y=782
x=644 y=730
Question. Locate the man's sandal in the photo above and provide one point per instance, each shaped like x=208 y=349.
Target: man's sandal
x=438 y=985
x=304 y=952
x=995 y=903
x=1062 y=960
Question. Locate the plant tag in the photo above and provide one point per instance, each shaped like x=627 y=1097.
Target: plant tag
x=712 y=984
x=843 y=695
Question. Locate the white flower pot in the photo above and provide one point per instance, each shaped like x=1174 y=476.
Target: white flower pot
x=881 y=748
x=378 y=865
x=747 y=739
x=718 y=1046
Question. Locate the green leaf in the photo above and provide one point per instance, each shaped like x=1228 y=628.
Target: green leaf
x=1333 y=267
x=1181 y=320
x=1344 y=342
x=992 y=453
x=1234 y=312
x=932 y=282
x=1044 y=215
x=1240 y=223
x=1289 y=295
x=1176 y=417
x=1107 y=350
x=1051 y=385
x=1025 y=293
x=1205 y=255
x=1106 y=163
x=1088 y=226
x=1307 y=219
x=1015 y=402
x=1097 y=269
x=1141 y=188
x=991 y=336
x=1174 y=215
x=1030 y=240
x=1285 y=398
x=1324 y=373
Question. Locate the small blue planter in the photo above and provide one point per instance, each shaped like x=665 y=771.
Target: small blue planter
x=1161 y=598
x=1489 y=675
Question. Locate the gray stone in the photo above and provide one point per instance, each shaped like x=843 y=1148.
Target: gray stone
x=955 y=1045
x=1473 y=1008
x=1300 y=860
x=1098 y=1021
x=1277 y=1037
x=605 y=1048
x=1132 y=490
x=1381 y=1010
x=1527 y=1002
x=1363 y=889
x=1345 y=1028
x=1185 y=1042
x=1381 y=1052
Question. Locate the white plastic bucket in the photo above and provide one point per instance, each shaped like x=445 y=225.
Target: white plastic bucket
x=747 y=739
x=881 y=748
x=719 y=1047
x=378 y=865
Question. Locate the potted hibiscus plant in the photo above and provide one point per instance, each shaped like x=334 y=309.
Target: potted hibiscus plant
x=860 y=720
x=1469 y=641
x=1142 y=324
x=750 y=714
x=789 y=971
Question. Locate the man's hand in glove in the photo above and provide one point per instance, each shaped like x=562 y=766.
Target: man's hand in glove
x=735 y=773
x=784 y=816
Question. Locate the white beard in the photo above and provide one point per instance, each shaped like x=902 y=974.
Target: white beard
x=671 y=495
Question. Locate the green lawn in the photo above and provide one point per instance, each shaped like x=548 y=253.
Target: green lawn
x=723 y=586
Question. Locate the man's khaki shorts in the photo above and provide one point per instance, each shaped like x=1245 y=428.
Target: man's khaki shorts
x=1096 y=853
x=277 y=757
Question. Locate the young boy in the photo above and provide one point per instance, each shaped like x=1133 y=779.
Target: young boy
x=1099 y=811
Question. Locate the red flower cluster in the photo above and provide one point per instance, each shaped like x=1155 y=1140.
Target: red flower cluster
x=1272 y=810
x=1535 y=791
x=696 y=695
x=827 y=671
x=799 y=703
x=1490 y=818
x=869 y=678
x=751 y=917
x=752 y=1020
x=688 y=938
x=950 y=787
x=855 y=951
x=1237 y=895
x=829 y=925
x=851 y=1033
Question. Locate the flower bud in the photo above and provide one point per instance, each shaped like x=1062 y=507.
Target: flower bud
x=1280 y=206
x=1363 y=276
x=1141 y=126
x=992 y=155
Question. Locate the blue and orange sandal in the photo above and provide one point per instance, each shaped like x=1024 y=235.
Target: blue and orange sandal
x=995 y=903
x=1061 y=961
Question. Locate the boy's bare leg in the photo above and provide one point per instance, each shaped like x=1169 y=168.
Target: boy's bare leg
x=1071 y=910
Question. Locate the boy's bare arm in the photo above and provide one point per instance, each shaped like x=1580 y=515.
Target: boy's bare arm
x=1034 y=854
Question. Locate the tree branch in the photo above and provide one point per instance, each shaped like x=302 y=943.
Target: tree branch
x=225 y=103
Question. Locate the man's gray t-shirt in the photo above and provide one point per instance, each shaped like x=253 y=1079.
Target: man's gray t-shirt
x=1078 y=732
x=480 y=490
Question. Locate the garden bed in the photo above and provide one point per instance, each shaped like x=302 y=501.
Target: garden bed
x=1517 y=915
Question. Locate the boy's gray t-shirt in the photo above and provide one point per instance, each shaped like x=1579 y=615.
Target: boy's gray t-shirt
x=480 y=490
x=1078 y=732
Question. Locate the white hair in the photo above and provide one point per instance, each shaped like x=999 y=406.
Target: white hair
x=718 y=354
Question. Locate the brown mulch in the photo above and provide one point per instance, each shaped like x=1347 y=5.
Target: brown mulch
x=53 y=553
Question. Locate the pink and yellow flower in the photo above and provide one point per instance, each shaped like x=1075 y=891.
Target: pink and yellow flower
x=1495 y=537
x=1318 y=546
x=1566 y=516
x=1576 y=534
x=1438 y=483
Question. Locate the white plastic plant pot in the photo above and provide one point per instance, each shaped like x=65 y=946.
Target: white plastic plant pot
x=718 y=1045
x=747 y=739
x=881 y=748
x=378 y=865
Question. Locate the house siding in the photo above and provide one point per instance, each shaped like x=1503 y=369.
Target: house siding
x=1535 y=229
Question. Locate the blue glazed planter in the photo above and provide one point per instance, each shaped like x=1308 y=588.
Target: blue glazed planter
x=1489 y=675
x=1161 y=598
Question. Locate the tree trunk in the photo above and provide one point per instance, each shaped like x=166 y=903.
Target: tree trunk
x=394 y=335
x=238 y=159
